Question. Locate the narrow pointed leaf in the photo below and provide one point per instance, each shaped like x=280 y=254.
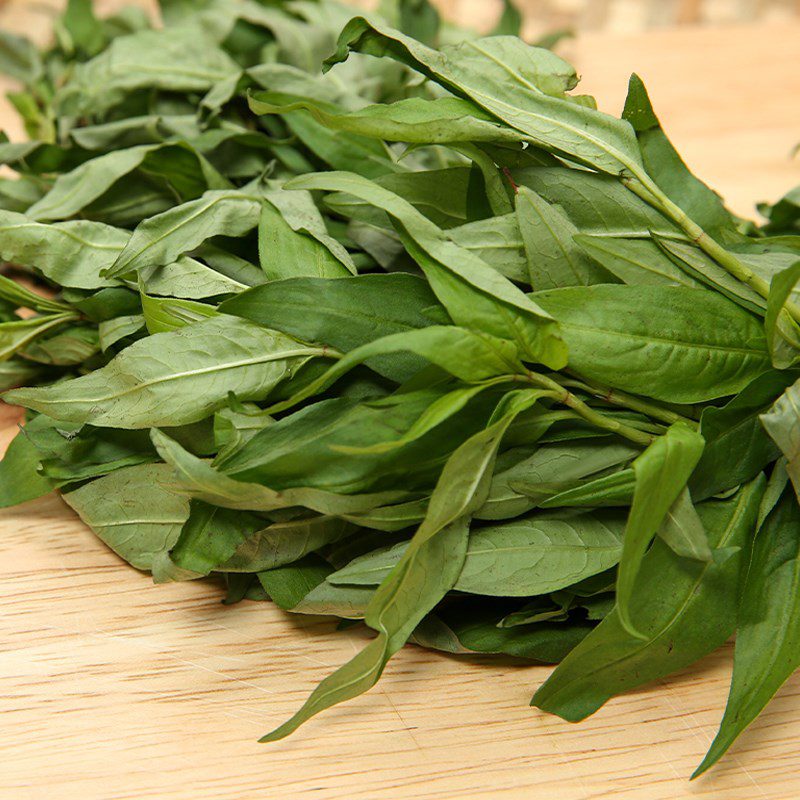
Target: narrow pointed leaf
x=429 y=568
x=174 y=378
x=661 y=474
x=767 y=640
x=683 y=609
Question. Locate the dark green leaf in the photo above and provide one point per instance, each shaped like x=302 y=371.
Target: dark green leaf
x=668 y=342
x=767 y=645
x=661 y=473
x=683 y=609
x=349 y=312
x=289 y=584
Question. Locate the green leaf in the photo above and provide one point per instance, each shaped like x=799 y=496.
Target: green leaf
x=548 y=643
x=288 y=585
x=162 y=314
x=392 y=518
x=468 y=355
x=72 y=254
x=313 y=446
x=429 y=568
x=285 y=253
x=784 y=215
x=21 y=297
x=132 y=131
x=696 y=264
x=16 y=372
x=671 y=343
x=736 y=449
x=304 y=225
x=297 y=42
x=783 y=333
x=596 y=204
x=197 y=478
x=16 y=194
x=181 y=59
x=498 y=242
x=20 y=480
x=414 y=120
x=420 y=19
x=347 y=602
x=19 y=58
x=438 y=412
x=683 y=531
x=473 y=294
x=767 y=642
x=683 y=609
x=348 y=312
x=666 y=167
x=529 y=556
x=510 y=22
x=210 y=537
x=445 y=197
x=112 y=331
x=135 y=513
x=782 y=423
x=521 y=85
x=15 y=336
x=661 y=474
x=368 y=156
x=34 y=157
x=636 y=262
x=548 y=471
x=470 y=630
x=174 y=378
x=615 y=489
x=554 y=258
x=191 y=279
x=84 y=29
x=73 y=191
x=285 y=542
x=163 y=238
x=71 y=452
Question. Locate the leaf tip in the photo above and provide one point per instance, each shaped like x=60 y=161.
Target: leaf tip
x=274 y=736
x=704 y=765
x=14 y=397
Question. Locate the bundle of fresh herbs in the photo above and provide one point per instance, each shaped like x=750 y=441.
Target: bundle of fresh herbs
x=412 y=335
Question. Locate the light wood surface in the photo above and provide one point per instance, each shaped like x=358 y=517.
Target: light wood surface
x=113 y=688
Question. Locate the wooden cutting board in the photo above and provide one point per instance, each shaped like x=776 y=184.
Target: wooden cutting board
x=113 y=688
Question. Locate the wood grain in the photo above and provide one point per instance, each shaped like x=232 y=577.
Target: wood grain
x=113 y=688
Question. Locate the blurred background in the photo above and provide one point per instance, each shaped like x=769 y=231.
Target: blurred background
x=540 y=15
x=622 y=15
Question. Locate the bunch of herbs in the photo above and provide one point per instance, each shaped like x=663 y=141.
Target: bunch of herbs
x=378 y=319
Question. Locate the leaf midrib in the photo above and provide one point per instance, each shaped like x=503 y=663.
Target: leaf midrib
x=544 y=548
x=201 y=371
x=117 y=268
x=652 y=339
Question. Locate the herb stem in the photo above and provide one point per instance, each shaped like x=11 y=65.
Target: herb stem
x=625 y=400
x=648 y=427
x=643 y=187
x=564 y=396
